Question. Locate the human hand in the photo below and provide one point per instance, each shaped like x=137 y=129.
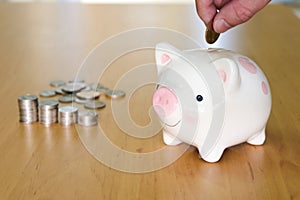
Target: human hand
x=221 y=15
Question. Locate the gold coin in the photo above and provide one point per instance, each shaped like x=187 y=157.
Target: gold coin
x=211 y=36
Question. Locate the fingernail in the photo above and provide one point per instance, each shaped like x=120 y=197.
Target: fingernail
x=221 y=26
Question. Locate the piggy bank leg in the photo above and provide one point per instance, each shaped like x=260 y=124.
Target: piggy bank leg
x=170 y=139
x=258 y=139
x=214 y=155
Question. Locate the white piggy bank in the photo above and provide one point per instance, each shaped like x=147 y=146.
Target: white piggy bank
x=211 y=99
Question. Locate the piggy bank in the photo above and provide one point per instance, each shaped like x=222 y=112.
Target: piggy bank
x=210 y=98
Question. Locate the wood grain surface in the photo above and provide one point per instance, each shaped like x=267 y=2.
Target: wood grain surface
x=41 y=42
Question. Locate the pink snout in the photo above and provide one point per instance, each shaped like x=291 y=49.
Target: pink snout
x=165 y=102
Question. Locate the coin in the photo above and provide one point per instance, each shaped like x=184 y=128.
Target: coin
x=58 y=90
x=211 y=36
x=48 y=103
x=27 y=97
x=73 y=87
x=67 y=115
x=48 y=112
x=28 y=108
x=95 y=104
x=57 y=83
x=87 y=88
x=87 y=118
x=96 y=86
x=81 y=101
x=76 y=81
x=102 y=91
x=114 y=94
x=68 y=109
x=47 y=93
x=66 y=99
x=88 y=95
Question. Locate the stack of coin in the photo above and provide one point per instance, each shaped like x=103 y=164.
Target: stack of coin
x=28 y=108
x=87 y=118
x=67 y=115
x=48 y=111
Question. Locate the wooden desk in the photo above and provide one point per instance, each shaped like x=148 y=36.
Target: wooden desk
x=44 y=42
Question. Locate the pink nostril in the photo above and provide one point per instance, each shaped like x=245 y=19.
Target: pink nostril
x=164 y=101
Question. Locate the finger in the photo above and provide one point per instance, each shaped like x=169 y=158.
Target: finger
x=206 y=10
x=236 y=12
x=220 y=3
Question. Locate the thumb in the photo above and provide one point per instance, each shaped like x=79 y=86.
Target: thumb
x=237 y=12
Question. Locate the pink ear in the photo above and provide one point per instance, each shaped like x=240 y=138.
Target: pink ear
x=222 y=75
x=264 y=87
x=248 y=66
x=164 y=58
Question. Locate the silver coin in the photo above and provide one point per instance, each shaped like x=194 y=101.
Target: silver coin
x=114 y=94
x=48 y=112
x=27 y=97
x=87 y=88
x=68 y=109
x=67 y=115
x=88 y=95
x=66 y=99
x=47 y=93
x=76 y=81
x=57 y=83
x=95 y=86
x=58 y=90
x=87 y=118
x=73 y=87
x=48 y=103
x=95 y=105
x=81 y=101
x=102 y=91
x=28 y=108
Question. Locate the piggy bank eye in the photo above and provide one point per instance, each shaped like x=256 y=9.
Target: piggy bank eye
x=199 y=98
